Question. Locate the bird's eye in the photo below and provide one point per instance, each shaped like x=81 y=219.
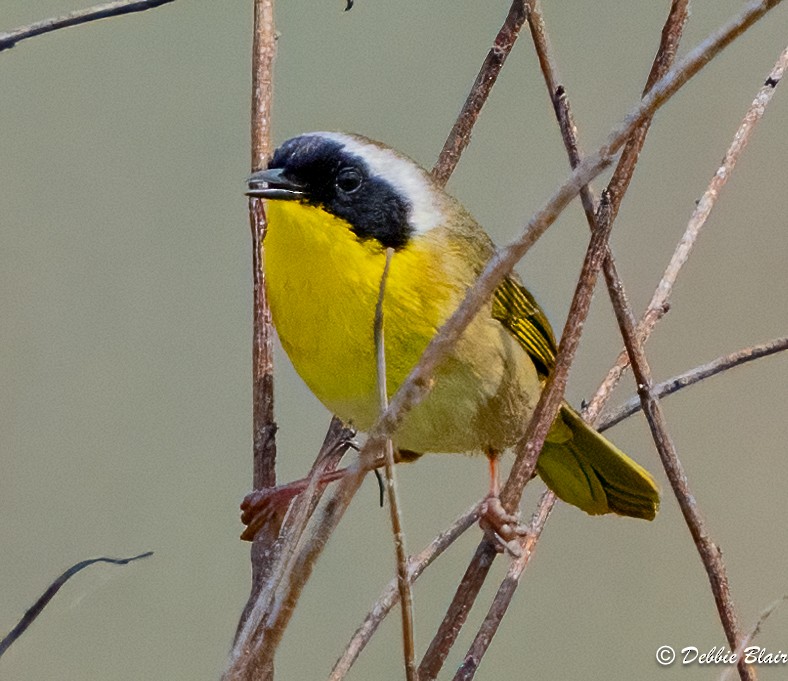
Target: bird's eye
x=348 y=180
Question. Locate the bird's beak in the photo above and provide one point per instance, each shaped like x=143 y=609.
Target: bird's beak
x=272 y=184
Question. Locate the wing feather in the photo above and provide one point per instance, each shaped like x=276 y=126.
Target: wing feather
x=515 y=307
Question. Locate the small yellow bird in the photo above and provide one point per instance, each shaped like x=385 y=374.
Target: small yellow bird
x=336 y=202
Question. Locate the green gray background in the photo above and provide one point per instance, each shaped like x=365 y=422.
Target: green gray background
x=125 y=333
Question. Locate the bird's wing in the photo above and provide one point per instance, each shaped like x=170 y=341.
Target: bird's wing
x=516 y=309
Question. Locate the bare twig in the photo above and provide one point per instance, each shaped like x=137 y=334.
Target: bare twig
x=659 y=301
x=403 y=582
x=746 y=640
x=708 y=550
x=263 y=425
x=658 y=306
x=249 y=658
x=506 y=590
x=82 y=16
x=35 y=610
x=390 y=596
x=618 y=184
x=460 y=134
x=695 y=375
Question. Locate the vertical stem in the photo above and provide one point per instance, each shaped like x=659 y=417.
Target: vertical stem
x=709 y=552
x=403 y=581
x=263 y=424
x=460 y=134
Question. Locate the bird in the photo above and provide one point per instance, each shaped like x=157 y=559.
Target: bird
x=336 y=203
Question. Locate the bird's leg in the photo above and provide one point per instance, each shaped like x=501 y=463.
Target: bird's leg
x=263 y=506
x=502 y=527
x=269 y=505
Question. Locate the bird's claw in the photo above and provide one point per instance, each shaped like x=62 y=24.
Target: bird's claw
x=266 y=507
x=503 y=528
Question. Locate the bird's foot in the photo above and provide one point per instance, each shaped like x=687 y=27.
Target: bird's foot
x=268 y=506
x=502 y=528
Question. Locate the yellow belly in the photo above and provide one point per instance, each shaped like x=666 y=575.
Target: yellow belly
x=323 y=285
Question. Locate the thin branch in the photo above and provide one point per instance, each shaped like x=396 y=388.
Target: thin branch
x=35 y=610
x=460 y=134
x=249 y=657
x=506 y=590
x=709 y=552
x=746 y=640
x=695 y=375
x=618 y=184
x=390 y=596
x=659 y=301
x=263 y=423
x=403 y=582
x=82 y=16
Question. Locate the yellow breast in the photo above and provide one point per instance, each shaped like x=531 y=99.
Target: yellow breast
x=323 y=284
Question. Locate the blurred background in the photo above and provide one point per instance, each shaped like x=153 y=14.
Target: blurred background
x=125 y=333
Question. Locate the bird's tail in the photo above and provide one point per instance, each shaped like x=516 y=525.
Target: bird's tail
x=586 y=470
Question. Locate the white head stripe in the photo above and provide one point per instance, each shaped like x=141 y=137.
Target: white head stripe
x=401 y=173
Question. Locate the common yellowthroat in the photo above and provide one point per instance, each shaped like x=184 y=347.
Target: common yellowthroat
x=336 y=202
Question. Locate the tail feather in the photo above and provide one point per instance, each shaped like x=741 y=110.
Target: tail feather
x=588 y=471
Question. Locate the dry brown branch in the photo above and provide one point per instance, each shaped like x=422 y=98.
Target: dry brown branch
x=708 y=550
x=263 y=424
x=248 y=659
x=506 y=590
x=38 y=607
x=390 y=596
x=82 y=16
x=746 y=640
x=660 y=300
x=263 y=553
x=403 y=581
x=460 y=134
x=695 y=375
